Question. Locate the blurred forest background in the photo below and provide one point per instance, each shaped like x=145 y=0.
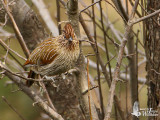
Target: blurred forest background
x=114 y=28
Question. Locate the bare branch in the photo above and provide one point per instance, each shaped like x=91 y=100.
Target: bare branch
x=89 y=101
x=19 y=115
x=90 y=5
x=58 y=15
x=105 y=73
x=86 y=91
x=47 y=96
x=46 y=16
x=7 y=51
x=145 y=17
x=20 y=38
x=22 y=77
x=49 y=111
x=119 y=61
x=7 y=47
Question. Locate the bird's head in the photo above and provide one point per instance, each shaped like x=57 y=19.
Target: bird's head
x=68 y=32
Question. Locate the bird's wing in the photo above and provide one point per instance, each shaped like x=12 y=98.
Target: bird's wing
x=44 y=54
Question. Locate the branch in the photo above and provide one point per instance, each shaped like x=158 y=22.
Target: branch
x=89 y=98
x=20 y=38
x=90 y=6
x=5 y=100
x=49 y=111
x=47 y=96
x=46 y=16
x=123 y=76
x=31 y=28
x=119 y=6
x=109 y=25
x=86 y=91
x=3 y=44
x=145 y=17
x=118 y=64
x=105 y=73
x=22 y=77
x=58 y=15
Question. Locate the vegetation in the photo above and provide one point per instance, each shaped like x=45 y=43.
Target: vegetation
x=118 y=64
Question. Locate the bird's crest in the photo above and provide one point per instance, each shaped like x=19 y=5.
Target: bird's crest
x=69 y=31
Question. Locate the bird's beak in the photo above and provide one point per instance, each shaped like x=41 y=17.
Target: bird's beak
x=70 y=39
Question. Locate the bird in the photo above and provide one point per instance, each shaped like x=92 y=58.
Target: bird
x=55 y=55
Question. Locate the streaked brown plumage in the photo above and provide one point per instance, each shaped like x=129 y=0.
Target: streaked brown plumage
x=55 y=55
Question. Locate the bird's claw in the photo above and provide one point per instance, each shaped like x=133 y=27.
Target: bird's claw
x=49 y=78
x=63 y=76
x=74 y=70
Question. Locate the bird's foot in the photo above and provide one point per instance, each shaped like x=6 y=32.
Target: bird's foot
x=74 y=70
x=52 y=79
x=63 y=76
x=49 y=78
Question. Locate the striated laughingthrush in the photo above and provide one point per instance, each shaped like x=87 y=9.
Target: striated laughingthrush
x=54 y=56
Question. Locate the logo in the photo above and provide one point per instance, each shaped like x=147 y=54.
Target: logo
x=136 y=109
x=143 y=111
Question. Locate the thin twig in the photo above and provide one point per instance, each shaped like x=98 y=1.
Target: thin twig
x=105 y=73
x=14 y=58
x=138 y=38
x=109 y=25
x=6 y=19
x=58 y=16
x=48 y=110
x=119 y=61
x=105 y=41
x=87 y=41
x=126 y=91
x=5 y=58
x=123 y=76
x=20 y=38
x=110 y=61
x=89 y=89
x=129 y=55
x=89 y=54
x=107 y=53
x=139 y=15
x=155 y=71
x=89 y=6
x=45 y=15
x=144 y=10
x=94 y=25
x=89 y=101
x=145 y=17
x=116 y=10
x=29 y=79
x=48 y=97
x=99 y=81
x=13 y=91
x=7 y=47
x=126 y=1
x=137 y=57
x=141 y=87
x=6 y=101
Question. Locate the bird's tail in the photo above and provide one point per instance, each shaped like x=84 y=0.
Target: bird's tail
x=31 y=74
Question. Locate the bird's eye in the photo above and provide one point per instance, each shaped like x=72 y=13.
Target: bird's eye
x=64 y=37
